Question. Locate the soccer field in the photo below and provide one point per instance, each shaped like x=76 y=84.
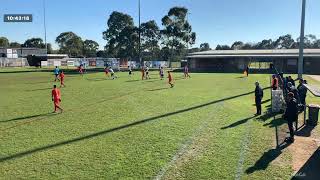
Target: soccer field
x=203 y=128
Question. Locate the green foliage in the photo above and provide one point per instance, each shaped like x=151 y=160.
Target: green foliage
x=121 y=35
x=90 y=48
x=205 y=47
x=4 y=42
x=15 y=45
x=34 y=43
x=150 y=37
x=70 y=44
x=177 y=31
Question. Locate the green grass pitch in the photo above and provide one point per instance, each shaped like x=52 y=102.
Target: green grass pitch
x=203 y=128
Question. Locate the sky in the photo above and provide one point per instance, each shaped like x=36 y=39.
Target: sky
x=214 y=21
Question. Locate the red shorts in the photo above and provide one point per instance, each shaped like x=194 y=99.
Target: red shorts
x=56 y=102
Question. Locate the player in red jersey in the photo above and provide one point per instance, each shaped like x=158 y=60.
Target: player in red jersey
x=56 y=98
x=106 y=70
x=61 y=75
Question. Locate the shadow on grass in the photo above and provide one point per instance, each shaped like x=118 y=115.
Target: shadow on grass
x=266 y=159
x=28 y=117
x=311 y=169
x=276 y=122
x=265 y=101
x=104 y=132
x=158 y=89
x=305 y=131
x=242 y=121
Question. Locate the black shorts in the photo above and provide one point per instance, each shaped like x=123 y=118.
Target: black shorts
x=56 y=75
x=147 y=73
x=112 y=74
x=130 y=72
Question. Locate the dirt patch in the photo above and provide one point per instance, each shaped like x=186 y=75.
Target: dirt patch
x=301 y=150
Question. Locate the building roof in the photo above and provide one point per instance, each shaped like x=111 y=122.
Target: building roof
x=294 y=53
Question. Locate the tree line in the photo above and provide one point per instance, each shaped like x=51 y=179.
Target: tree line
x=124 y=39
x=283 y=42
x=69 y=43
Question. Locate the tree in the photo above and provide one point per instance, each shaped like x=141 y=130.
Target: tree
x=177 y=31
x=15 y=45
x=4 y=42
x=150 y=36
x=70 y=44
x=205 y=47
x=102 y=53
x=223 y=47
x=165 y=53
x=237 y=45
x=284 y=42
x=265 y=44
x=247 y=46
x=121 y=35
x=34 y=43
x=90 y=48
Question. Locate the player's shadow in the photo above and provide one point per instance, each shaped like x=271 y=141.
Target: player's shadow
x=266 y=159
x=28 y=117
x=242 y=121
x=105 y=132
x=40 y=89
x=311 y=169
x=158 y=89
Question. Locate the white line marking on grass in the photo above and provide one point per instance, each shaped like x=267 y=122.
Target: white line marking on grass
x=245 y=144
x=186 y=145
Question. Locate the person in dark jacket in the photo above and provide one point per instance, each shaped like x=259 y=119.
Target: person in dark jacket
x=291 y=115
x=258 y=97
x=295 y=92
x=291 y=80
x=302 y=92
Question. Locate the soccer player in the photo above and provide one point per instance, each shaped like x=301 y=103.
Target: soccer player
x=170 y=79
x=130 y=71
x=61 y=75
x=112 y=73
x=142 y=73
x=186 y=72
x=161 y=73
x=106 y=71
x=56 y=98
x=147 y=73
x=56 y=73
x=81 y=70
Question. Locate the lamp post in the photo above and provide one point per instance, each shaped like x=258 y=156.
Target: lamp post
x=301 y=44
x=44 y=25
x=139 y=46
